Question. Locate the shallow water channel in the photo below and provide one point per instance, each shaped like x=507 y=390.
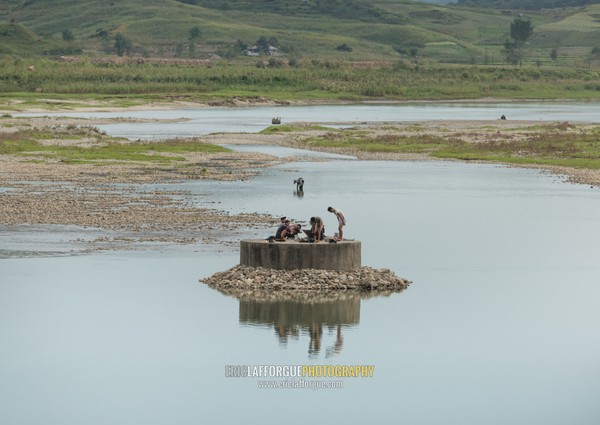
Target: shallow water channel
x=500 y=325
x=194 y=121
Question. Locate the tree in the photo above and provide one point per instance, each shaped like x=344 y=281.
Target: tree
x=275 y=63
x=67 y=35
x=520 y=31
x=554 y=54
x=123 y=44
x=240 y=45
x=179 y=49
x=594 y=55
x=195 y=33
x=193 y=36
x=512 y=53
x=262 y=44
x=486 y=58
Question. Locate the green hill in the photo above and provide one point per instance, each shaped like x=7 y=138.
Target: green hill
x=323 y=30
x=525 y=4
x=16 y=40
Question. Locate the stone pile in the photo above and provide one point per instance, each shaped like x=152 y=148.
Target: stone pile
x=259 y=278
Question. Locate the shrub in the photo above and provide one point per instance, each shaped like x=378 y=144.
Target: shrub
x=344 y=48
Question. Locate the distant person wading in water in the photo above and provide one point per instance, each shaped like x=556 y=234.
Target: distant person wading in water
x=299 y=184
x=341 y=221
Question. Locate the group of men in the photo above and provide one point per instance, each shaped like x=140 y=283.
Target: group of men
x=288 y=229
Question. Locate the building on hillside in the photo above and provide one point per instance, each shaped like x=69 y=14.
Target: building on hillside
x=255 y=51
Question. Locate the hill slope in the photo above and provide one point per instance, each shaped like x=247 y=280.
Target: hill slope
x=16 y=40
x=354 y=30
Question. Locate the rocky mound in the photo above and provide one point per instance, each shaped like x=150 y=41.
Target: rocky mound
x=364 y=279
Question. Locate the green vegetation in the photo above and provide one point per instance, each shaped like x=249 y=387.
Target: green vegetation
x=521 y=30
x=291 y=128
x=323 y=30
x=358 y=140
x=568 y=150
x=78 y=84
x=18 y=41
x=29 y=143
x=544 y=145
x=525 y=4
x=222 y=51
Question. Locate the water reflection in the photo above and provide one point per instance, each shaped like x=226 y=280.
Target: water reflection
x=292 y=314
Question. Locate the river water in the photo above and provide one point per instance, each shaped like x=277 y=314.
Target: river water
x=500 y=325
x=193 y=122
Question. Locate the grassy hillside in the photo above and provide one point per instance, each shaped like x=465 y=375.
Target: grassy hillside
x=373 y=30
x=526 y=4
x=16 y=40
x=161 y=27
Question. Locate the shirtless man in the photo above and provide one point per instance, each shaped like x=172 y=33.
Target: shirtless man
x=341 y=221
x=293 y=229
x=281 y=232
x=317 y=228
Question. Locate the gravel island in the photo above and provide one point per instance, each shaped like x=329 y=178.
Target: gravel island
x=260 y=278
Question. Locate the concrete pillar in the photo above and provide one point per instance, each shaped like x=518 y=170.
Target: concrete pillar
x=289 y=255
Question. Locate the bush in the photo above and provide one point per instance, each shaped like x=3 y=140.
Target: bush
x=67 y=35
x=275 y=63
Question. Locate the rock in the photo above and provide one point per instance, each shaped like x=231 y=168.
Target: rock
x=365 y=279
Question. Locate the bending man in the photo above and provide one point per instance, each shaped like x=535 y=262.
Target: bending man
x=341 y=221
x=317 y=228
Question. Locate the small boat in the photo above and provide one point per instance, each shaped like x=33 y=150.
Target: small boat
x=276 y=120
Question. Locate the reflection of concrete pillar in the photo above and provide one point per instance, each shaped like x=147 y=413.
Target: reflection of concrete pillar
x=284 y=332
x=290 y=314
x=314 y=346
x=339 y=342
x=341 y=256
x=294 y=313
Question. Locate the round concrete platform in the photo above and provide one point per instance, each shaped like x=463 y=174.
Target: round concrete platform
x=291 y=254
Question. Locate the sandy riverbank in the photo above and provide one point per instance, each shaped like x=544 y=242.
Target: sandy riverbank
x=174 y=102
x=469 y=131
x=107 y=195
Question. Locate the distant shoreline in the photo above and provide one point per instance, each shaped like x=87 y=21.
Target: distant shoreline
x=76 y=106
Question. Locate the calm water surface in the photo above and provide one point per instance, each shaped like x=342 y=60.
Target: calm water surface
x=500 y=325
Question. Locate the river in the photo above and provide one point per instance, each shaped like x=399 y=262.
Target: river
x=199 y=121
x=499 y=326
